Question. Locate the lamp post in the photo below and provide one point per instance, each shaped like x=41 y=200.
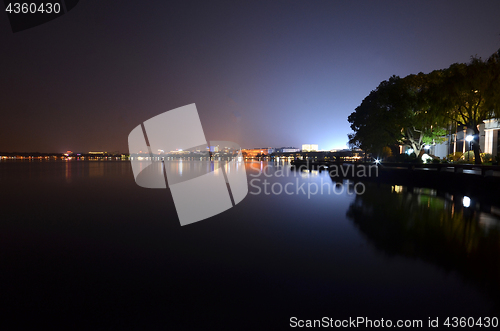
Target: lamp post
x=465 y=132
x=469 y=138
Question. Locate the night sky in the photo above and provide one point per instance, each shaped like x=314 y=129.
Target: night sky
x=262 y=73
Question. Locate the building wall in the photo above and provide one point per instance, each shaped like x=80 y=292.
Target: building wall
x=440 y=150
x=309 y=147
x=491 y=136
x=488 y=140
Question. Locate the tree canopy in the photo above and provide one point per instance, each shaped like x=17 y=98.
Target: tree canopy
x=417 y=109
x=394 y=113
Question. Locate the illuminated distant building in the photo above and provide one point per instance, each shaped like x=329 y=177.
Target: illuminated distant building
x=309 y=148
x=254 y=152
x=289 y=150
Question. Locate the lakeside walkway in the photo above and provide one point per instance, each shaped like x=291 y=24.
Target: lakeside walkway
x=464 y=179
x=470 y=169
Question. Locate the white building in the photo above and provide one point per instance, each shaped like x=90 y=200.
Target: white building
x=455 y=142
x=490 y=143
x=489 y=140
x=309 y=148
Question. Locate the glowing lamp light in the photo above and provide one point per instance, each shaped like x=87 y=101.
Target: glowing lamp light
x=409 y=151
x=426 y=157
x=466 y=202
x=469 y=138
x=377 y=161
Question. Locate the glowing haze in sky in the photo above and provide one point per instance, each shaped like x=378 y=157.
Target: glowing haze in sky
x=262 y=73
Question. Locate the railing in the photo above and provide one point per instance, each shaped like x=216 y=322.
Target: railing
x=486 y=170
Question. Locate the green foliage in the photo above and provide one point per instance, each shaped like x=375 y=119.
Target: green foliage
x=386 y=152
x=486 y=157
x=454 y=157
x=394 y=114
x=418 y=109
x=468 y=157
x=492 y=95
x=467 y=94
x=372 y=129
x=401 y=158
x=416 y=159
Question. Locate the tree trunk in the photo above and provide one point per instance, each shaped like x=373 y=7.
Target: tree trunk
x=475 y=147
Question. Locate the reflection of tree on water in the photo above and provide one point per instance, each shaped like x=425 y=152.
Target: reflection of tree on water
x=432 y=229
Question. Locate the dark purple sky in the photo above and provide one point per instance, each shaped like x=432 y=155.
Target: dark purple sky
x=262 y=73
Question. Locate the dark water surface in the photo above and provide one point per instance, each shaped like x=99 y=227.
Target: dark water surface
x=82 y=245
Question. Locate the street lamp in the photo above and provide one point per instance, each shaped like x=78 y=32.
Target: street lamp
x=466 y=202
x=469 y=138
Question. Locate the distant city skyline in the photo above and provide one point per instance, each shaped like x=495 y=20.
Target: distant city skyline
x=261 y=73
x=311 y=147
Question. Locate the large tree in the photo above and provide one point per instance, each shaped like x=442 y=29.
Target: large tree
x=492 y=92
x=395 y=113
x=371 y=129
x=467 y=93
x=419 y=126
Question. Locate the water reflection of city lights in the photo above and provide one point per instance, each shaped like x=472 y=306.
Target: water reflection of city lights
x=466 y=201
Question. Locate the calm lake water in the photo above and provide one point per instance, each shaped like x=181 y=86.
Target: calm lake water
x=82 y=245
